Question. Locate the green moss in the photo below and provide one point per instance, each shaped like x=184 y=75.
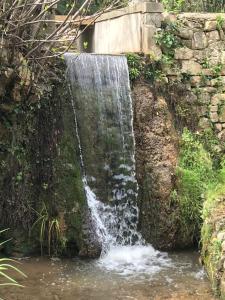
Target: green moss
x=195 y=173
x=213 y=223
x=39 y=163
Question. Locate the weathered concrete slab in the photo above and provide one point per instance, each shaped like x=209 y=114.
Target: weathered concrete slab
x=118 y=35
x=130 y=29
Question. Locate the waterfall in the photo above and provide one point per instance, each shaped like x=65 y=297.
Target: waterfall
x=103 y=117
x=102 y=105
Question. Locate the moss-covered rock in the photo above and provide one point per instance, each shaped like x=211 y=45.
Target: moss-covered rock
x=213 y=238
x=42 y=198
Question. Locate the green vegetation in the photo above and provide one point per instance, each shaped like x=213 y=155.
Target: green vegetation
x=49 y=230
x=135 y=64
x=220 y=22
x=214 y=223
x=195 y=174
x=168 y=40
x=151 y=67
x=145 y=67
x=194 y=5
x=200 y=184
x=5 y=266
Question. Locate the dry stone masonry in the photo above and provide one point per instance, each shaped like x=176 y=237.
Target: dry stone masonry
x=201 y=58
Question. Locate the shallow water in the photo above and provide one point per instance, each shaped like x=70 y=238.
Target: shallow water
x=117 y=276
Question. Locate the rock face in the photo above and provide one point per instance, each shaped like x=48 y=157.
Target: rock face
x=39 y=164
x=156 y=157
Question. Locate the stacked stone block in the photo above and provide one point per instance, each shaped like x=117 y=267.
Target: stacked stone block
x=202 y=58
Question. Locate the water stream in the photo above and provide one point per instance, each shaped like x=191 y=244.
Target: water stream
x=77 y=279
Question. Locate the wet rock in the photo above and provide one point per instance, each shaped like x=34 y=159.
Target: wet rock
x=91 y=246
x=156 y=158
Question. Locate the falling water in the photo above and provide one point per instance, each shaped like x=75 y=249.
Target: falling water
x=101 y=100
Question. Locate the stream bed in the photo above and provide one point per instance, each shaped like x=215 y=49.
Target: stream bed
x=115 y=277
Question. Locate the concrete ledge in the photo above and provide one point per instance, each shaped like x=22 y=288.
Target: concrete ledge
x=146 y=7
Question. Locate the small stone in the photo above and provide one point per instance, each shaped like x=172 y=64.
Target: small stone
x=185 y=33
x=218 y=127
x=183 y=53
x=203 y=110
x=199 y=40
x=213 y=108
x=209 y=89
x=223 y=57
x=195 y=80
x=169 y=17
x=210 y=25
x=187 y=43
x=207 y=72
x=213 y=36
x=222 y=114
x=199 y=55
x=155 y=53
x=214 y=117
x=204 y=123
x=222 y=35
x=191 y=67
x=217 y=98
x=221 y=135
x=204 y=97
x=223 y=245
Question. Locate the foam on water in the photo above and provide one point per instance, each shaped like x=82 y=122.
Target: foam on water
x=135 y=260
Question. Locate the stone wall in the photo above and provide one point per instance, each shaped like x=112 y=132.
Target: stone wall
x=201 y=59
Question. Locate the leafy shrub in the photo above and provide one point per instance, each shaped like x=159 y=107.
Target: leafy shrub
x=168 y=40
x=135 y=65
x=6 y=266
x=49 y=231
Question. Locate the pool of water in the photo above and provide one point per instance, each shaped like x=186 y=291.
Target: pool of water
x=123 y=274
